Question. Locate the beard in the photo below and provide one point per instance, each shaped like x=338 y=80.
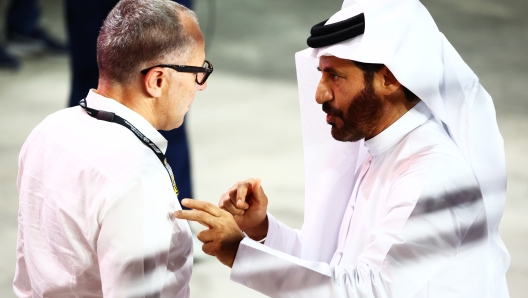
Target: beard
x=360 y=119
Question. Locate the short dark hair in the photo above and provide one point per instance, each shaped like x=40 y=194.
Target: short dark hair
x=369 y=69
x=138 y=32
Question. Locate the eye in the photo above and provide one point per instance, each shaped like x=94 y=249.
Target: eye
x=334 y=77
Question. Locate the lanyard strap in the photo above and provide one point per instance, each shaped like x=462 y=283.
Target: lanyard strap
x=111 y=117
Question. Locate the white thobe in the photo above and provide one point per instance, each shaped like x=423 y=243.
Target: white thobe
x=93 y=215
x=414 y=226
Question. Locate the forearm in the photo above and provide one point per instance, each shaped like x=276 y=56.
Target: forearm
x=278 y=274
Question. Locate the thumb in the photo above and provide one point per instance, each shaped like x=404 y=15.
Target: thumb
x=258 y=192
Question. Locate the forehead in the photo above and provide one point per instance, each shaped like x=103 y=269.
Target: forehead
x=335 y=62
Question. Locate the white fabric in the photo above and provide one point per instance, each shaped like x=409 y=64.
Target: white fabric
x=382 y=255
x=424 y=61
x=93 y=215
x=413 y=226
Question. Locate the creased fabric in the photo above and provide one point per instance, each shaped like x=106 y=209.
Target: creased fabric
x=412 y=212
x=94 y=205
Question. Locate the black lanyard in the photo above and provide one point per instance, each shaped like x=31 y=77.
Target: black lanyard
x=111 y=117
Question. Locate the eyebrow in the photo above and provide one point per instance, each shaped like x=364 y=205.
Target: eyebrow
x=329 y=70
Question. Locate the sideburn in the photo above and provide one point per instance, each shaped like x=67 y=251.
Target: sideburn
x=364 y=112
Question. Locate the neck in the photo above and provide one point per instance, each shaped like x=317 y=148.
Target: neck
x=393 y=111
x=130 y=97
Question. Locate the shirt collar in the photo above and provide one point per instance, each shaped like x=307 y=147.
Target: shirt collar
x=392 y=135
x=99 y=102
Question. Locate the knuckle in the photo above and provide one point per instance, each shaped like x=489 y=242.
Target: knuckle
x=208 y=206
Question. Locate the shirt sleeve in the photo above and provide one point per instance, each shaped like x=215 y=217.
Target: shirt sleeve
x=21 y=282
x=409 y=246
x=135 y=236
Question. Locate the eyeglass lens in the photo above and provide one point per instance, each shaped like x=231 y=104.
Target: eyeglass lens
x=201 y=76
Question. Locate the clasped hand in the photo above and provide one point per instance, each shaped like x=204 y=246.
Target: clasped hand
x=242 y=208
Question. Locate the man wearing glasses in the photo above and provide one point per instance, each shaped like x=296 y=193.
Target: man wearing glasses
x=94 y=185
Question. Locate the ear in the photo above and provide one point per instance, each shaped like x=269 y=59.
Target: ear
x=155 y=81
x=389 y=83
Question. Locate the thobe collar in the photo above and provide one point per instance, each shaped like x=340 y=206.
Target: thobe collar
x=99 y=102
x=393 y=134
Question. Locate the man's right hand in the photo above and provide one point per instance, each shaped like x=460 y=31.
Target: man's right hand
x=248 y=204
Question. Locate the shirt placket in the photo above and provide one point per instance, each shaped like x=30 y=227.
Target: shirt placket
x=347 y=218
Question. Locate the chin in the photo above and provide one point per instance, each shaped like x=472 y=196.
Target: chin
x=180 y=123
x=173 y=125
x=342 y=136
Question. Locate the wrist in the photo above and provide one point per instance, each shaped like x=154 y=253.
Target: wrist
x=259 y=232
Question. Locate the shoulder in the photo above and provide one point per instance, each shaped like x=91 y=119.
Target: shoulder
x=430 y=144
x=429 y=170
x=427 y=157
x=70 y=136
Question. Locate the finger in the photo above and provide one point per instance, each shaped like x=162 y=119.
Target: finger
x=258 y=192
x=232 y=195
x=233 y=199
x=241 y=195
x=202 y=217
x=208 y=248
x=205 y=236
x=201 y=205
x=229 y=207
x=231 y=192
x=224 y=199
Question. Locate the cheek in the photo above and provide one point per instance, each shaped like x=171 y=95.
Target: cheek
x=346 y=94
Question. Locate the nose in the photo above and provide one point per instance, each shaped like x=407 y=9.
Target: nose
x=201 y=87
x=323 y=93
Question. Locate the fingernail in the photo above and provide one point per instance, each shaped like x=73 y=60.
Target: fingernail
x=176 y=213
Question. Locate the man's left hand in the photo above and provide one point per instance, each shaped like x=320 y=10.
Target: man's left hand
x=223 y=237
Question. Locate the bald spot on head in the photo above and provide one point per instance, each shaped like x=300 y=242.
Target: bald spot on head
x=191 y=27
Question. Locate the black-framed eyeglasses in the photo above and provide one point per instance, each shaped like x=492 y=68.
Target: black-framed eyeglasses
x=202 y=73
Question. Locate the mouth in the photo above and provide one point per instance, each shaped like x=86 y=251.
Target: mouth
x=330 y=113
x=330 y=119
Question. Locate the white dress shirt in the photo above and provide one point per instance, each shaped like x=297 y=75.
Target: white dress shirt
x=94 y=211
x=415 y=226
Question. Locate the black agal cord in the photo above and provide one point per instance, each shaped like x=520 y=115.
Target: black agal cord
x=325 y=35
x=111 y=117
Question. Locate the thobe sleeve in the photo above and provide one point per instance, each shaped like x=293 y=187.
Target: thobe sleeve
x=134 y=240
x=407 y=248
x=283 y=238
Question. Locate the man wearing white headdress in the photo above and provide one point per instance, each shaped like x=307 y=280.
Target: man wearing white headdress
x=405 y=193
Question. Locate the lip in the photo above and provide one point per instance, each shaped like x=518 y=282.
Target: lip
x=329 y=118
